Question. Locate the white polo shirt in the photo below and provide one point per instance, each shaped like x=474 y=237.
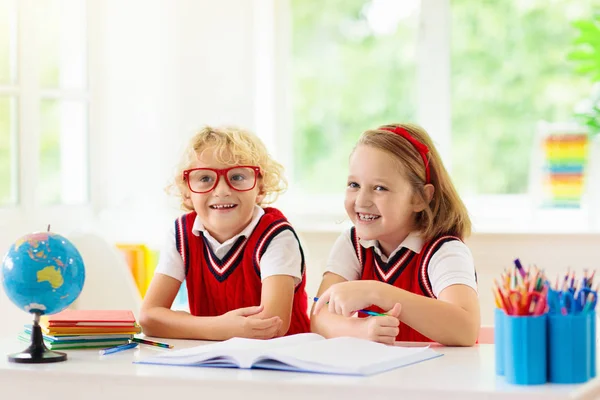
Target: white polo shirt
x=282 y=257
x=451 y=264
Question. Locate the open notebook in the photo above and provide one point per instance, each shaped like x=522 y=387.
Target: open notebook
x=307 y=352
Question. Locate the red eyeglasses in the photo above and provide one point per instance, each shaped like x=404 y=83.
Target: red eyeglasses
x=240 y=178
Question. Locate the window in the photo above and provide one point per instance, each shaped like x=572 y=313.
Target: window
x=61 y=32
x=479 y=76
x=43 y=102
x=8 y=103
x=509 y=72
x=353 y=67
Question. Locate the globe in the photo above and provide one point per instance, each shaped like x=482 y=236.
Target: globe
x=42 y=273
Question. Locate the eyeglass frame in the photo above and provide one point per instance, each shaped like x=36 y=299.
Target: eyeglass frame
x=221 y=172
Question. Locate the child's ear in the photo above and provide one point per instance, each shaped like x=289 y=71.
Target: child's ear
x=429 y=190
x=187 y=200
x=261 y=193
x=420 y=204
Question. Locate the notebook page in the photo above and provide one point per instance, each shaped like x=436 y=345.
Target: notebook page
x=240 y=351
x=346 y=355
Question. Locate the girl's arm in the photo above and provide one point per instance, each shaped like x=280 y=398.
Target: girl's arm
x=378 y=329
x=452 y=319
x=325 y=323
x=157 y=318
x=342 y=266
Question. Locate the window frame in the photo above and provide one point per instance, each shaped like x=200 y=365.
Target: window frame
x=29 y=213
x=509 y=213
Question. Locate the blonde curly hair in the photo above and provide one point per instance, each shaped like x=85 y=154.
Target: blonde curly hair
x=231 y=146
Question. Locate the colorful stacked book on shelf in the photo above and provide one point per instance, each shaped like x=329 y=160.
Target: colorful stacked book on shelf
x=565 y=158
x=81 y=329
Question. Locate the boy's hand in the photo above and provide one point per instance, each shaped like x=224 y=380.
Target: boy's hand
x=382 y=329
x=236 y=323
x=345 y=298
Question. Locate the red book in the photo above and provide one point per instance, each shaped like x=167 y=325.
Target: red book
x=112 y=318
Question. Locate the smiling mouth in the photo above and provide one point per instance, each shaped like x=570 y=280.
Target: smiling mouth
x=223 y=206
x=367 y=217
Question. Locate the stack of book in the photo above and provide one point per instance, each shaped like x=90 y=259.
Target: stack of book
x=83 y=329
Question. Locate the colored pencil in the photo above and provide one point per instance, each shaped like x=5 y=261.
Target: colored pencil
x=152 y=343
x=117 y=349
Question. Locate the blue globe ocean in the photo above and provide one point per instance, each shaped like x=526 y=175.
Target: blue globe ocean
x=42 y=272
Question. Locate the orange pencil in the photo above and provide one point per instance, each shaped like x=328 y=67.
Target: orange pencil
x=507 y=308
x=497 y=298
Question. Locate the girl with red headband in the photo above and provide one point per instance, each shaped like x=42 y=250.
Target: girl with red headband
x=404 y=259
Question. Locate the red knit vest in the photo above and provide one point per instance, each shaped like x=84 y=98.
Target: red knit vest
x=405 y=270
x=219 y=286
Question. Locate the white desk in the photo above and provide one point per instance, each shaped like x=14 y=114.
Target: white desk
x=462 y=374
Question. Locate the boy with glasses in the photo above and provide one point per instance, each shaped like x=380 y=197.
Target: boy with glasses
x=243 y=264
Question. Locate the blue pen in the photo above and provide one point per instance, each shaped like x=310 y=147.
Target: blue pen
x=116 y=349
x=568 y=303
x=368 y=312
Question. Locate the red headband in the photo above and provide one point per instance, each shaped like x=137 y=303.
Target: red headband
x=421 y=148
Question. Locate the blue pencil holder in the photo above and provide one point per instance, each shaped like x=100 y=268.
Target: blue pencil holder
x=571 y=347
x=593 y=344
x=499 y=316
x=525 y=349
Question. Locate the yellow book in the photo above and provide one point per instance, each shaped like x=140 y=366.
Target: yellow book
x=90 y=330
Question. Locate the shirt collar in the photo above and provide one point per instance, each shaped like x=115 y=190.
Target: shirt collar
x=413 y=242
x=256 y=215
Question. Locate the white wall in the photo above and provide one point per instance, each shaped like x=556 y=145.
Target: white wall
x=167 y=69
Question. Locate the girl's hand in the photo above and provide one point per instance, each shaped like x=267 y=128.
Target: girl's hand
x=382 y=329
x=346 y=298
x=236 y=323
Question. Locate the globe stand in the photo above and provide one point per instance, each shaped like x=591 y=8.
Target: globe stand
x=37 y=352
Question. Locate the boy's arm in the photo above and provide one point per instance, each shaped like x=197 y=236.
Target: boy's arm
x=328 y=324
x=277 y=298
x=157 y=319
x=280 y=270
